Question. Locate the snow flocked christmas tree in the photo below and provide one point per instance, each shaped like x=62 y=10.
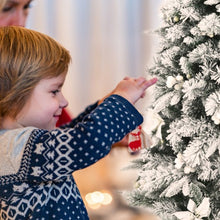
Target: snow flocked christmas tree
x=179 y=175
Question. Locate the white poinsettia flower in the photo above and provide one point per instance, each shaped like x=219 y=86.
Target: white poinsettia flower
x=184 y=215
x=195 y=213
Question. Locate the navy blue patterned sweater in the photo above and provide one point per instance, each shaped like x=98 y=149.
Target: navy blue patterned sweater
x=36 y=165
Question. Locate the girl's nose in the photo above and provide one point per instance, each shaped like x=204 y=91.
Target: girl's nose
x=63 y=102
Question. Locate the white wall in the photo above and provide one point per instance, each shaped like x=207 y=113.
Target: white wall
x=106 y=39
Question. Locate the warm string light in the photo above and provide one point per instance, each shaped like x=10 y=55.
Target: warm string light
x=96 y=199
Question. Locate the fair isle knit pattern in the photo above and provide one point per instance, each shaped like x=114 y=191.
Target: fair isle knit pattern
x=36 y=179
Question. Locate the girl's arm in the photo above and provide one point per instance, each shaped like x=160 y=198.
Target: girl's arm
x=80 y=117
x=52 y=155
x=56 y=154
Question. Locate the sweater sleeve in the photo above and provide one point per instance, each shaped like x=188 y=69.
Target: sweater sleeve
x=56 y=154
x=80 y=117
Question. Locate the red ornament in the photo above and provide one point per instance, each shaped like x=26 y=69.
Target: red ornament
x=134 y=140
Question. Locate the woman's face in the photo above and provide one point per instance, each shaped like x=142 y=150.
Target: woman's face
x=15 y=13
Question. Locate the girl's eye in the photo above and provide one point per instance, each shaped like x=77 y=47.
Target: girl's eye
x=54 y=92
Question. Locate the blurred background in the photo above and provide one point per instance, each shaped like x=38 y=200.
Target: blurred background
x=108 y=40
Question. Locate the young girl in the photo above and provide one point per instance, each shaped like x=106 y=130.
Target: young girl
x=37 y=159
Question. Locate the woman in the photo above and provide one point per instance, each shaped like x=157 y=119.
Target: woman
x=14 y=12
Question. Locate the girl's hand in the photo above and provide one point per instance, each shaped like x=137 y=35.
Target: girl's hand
x=132 y=89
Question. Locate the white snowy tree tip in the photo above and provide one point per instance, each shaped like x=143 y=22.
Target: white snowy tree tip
x=212 y=2
x=212 y=107
x=210 y=25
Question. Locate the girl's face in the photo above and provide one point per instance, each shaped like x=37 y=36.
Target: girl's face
x=44 y=105
x=15 y=13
